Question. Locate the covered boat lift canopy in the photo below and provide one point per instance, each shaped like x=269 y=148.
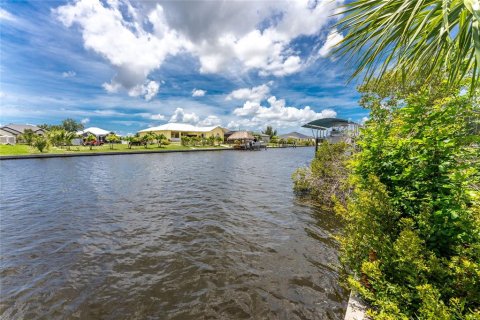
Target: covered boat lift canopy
x=241 y=135
x=322 y=128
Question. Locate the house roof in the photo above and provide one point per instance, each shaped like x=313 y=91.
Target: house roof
x=326 y=123
x=17 y=129
x=184 y=127
x=294 y=135
x=94 y=130
x=5 y=133
x=260 y=134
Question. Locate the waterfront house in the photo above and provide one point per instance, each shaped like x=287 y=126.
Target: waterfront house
x=261 y=137
x=175 y=131
x=10 y=133
x=99 y=133
x=17 y=129
x=7 y=138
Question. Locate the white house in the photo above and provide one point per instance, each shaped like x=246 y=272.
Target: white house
x=7 y=138
x=99 y=133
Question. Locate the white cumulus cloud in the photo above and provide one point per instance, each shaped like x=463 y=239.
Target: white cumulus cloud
x=333 y=38
x=157 y=116
x=136 y=37
x=182 y=116
x=179 y=115
x=277 y=114
x=198 y=93
x=148 y=90
x=210 y=120
x=7 y=16
x=255 y=94
x=69 y=74
x=125 y=44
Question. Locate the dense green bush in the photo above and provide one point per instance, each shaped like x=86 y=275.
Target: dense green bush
x=40 y=142
x=409 y=199
x=324 y=179
x=412 y=224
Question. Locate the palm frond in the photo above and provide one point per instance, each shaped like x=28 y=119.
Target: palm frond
x=418 y=37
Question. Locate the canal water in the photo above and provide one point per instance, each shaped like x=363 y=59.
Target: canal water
x=207 y=235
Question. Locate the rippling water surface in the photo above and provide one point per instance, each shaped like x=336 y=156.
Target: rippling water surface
x=207 y=235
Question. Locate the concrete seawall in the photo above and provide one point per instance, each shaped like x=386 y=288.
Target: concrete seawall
x=355 y=309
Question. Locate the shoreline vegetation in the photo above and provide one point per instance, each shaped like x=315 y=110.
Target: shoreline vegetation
x=408 y=195
x=24 y=149
x=19 y=151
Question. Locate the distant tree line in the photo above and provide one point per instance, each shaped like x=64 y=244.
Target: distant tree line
x=69 y=125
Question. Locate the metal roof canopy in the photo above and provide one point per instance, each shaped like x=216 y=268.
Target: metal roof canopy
x=326 y=123
x=320 y=127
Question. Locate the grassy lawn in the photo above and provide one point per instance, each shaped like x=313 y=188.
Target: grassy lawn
x=21 y=149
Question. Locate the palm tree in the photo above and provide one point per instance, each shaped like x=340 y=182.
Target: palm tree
x=160 y=137
x=68 y=137
x=270 y=131
x=147 y=138
x=131 y=140
x=90 y=140
x=211 y=140
x=111 y=139
x=28 y=136
x=419 y=38
x=219 y=140
x=40 y=142
x=57 y=137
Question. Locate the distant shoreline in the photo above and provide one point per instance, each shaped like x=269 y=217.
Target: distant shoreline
x=116 y=153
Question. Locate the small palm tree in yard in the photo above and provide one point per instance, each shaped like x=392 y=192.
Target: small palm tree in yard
x=40 y=142
x=28 y=136
x=147 y=139
x=68 y=137
x=90 y=140
x=219 y=140
x=111 y=139
x=211 y=140
x=185 y=141
x=57 y=137
x=160 y=137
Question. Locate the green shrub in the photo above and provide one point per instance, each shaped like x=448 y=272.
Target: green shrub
x=324 y=179
x=412 y=224
x=185 y=141
x=40 y=142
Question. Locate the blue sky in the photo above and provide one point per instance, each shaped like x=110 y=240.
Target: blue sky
x=127 y=65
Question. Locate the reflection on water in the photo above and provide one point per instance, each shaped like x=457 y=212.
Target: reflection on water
x=208 y=235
